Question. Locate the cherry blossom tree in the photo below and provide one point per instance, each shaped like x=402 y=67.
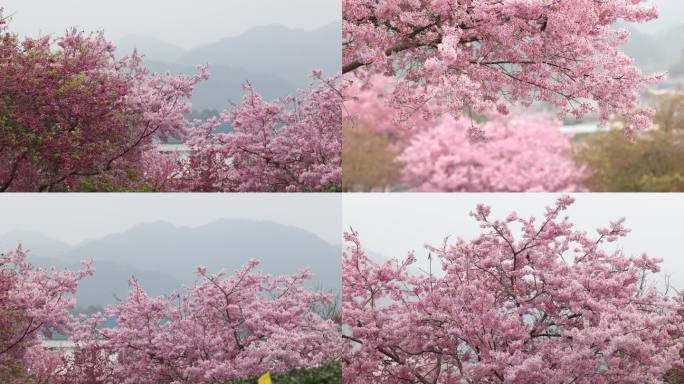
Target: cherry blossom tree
x=518 y=154
x=525 y=302
x=292 y=144
x=513 y=153
x=161 y=171
x=34 y=303
x=486 y=55
x=73 y=117
x=225 y=327
x=370 y=107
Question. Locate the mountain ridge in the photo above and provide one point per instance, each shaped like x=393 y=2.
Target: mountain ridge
x=281 y=64
x=163 y=256
x=656 y=51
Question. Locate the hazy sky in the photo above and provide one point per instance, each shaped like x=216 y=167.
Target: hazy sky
x=394 y=224
x=191 y=23
x=181 y=22
x=671 y=15
x=76 y=217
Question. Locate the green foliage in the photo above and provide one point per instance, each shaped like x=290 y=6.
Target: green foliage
x=14 y=372
x=71 y=84
x=676 y=374
x=670 y=113
x=476 y=117
x=654 y=162
x=332 y=189
x=104 y=183
x=327 y=374
x=368 y=160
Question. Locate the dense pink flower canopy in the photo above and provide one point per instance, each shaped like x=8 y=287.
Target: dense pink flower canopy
x=525 y=302
x=519 y=154
x=369 y=106
x=33 y=302
x=74 y=117
x=71 y=113
x=227 y=326
x=290 y=145
x=511 y=152
x=485 y=55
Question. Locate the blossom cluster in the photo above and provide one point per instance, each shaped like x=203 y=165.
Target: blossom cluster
x=503 y=153
x=294 y=144
x=525 y=302
x=452 y=55
x=74 y=117
x=225 y=327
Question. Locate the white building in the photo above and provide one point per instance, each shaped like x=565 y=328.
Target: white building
x=180 y=150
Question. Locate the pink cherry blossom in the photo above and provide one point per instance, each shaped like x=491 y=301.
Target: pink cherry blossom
x=293 y=144
x=509 y=152
x=74 y=117
x=452 y=55
x=518 y=154
x=527 y=301
x=227 y=326
x=34 y=303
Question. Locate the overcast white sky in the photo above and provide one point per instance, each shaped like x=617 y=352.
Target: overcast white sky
x=390 y=224
x=671 y=15
x=75 y=217
x=393 y=224
x=191 y=23
x=181 y=22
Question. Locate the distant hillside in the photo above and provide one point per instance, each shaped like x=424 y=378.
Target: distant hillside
x=287 y=53
x=36 y=243
x=276 y=60
x=657 y=52
x=227 y=244
x=163 y=257
x=224 y=87
x=152 y=48
x=110 y=282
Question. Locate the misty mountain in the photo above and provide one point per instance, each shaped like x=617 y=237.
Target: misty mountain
x=226 y=243
x=656 y=52
x=35 y=243
x=224 y=86
x=274 y=49
x=110 y=282
x=163 y=257
x=276 y=60
x=152 y=48
x=670 y=11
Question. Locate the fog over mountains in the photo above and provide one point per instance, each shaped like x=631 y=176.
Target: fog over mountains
x=658 y=45
x=275 y=59
x=163 y=256
x=661 y=51
x=278 y=60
